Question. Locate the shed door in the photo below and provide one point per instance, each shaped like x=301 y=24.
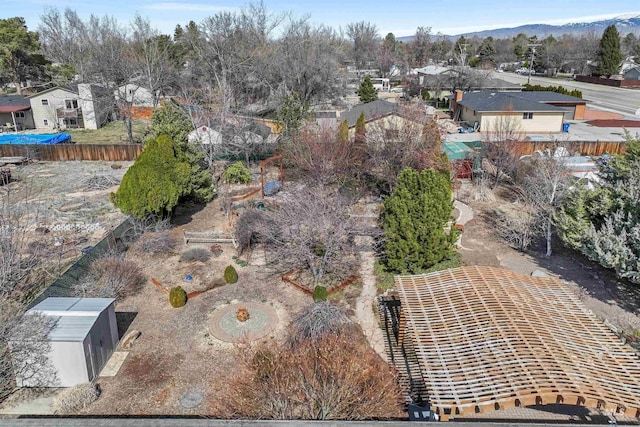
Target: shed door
x=89 y=356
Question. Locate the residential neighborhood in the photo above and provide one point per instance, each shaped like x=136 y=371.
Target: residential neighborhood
x=254 y=216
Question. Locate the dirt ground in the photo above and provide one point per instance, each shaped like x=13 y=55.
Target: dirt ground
x=175 y=353
x=611 y=299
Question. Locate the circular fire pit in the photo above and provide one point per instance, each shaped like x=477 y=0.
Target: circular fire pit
x=259 y=320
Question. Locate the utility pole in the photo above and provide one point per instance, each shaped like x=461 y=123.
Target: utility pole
x=533 y=47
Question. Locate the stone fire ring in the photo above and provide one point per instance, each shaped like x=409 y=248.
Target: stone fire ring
x=226 y=327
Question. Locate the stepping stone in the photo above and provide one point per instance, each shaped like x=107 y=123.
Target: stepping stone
x=191 y=399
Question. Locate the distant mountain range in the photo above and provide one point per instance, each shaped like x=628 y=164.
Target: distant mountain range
x=624 y=23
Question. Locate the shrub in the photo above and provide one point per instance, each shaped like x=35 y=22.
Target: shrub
x=230 y=274
x=237 y=173
x=110 y=277
x=157 y=243
x=160 y=176
x=336 y=377
x=75 y=399
x=320 y=293
x=177 y=297
x=317 y=320
x=195 y=254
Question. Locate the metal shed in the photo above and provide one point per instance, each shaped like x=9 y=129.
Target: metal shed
x=83 y=338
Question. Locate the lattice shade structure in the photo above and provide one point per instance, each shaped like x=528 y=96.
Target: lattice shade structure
x=488 y=339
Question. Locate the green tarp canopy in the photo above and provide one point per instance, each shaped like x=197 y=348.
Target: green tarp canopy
x=456 y=150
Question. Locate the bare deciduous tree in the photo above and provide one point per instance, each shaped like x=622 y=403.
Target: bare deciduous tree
x=365 y=39
x=499 y=144
x=408 y=140
x=544 y=187
x=23 y=344
x=310 y=230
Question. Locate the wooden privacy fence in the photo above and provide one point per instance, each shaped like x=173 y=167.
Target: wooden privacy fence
x=597 y=148
x=60 y=152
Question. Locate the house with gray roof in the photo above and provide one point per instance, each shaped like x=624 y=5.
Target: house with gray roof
x=15 y=113
x=530 y=112
x=372 y=111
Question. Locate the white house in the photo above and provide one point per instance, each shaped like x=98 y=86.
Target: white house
x=80 y=105
x=136 y=95
x=84 y=336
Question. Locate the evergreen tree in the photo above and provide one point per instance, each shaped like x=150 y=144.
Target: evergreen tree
x=413 y=219
x=343 y=132
x=486 y=51
x=609 y=54
x=156 y=182
x=20 y=56
x=367 y=92
x=171 y=121
x=361 y=129
x=292 y=113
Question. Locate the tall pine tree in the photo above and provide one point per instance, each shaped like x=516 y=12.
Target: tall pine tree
x=367 y=92
x=609 y=54
x=414 y=219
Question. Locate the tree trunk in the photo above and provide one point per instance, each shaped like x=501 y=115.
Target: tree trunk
x=548 y=236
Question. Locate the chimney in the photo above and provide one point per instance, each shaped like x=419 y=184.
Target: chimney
x=458 y=95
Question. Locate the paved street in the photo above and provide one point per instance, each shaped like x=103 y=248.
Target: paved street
x=625 y=101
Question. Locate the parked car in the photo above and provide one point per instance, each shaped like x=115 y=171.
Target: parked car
x=522 y=71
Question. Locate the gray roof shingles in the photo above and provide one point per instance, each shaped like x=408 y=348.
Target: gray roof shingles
x=14 y=101
x=516 y=101
x=372 y=110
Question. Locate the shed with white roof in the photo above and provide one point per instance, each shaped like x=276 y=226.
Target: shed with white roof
x=83 y=338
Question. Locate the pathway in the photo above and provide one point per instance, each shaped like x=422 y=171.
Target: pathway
x=364 y=304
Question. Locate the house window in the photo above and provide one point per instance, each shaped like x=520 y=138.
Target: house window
x=70 y=103
x=45 y=102
x=46 y=122
x=19 y=114
x=527 y=116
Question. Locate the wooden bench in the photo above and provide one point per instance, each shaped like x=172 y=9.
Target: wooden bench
x=209 y=237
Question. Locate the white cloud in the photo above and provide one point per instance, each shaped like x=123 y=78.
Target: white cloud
x=177 y=6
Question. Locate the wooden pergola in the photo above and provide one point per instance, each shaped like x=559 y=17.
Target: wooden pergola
x=489 y=339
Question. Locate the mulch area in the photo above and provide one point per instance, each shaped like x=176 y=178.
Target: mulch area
x=615 y=123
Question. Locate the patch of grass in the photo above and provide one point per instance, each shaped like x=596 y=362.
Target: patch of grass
x=239 y=261
x=384 y=279
x=112 y=133
x=454 y=262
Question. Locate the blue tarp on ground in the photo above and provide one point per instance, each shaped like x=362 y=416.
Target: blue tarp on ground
x=45 y=138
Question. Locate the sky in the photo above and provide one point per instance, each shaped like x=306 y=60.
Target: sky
x=398 y=17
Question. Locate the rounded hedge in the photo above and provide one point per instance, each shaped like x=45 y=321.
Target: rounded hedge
x=320 y=293
x=230 y=274
x=177 y=297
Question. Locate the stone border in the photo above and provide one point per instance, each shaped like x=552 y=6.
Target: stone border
x=222 y=335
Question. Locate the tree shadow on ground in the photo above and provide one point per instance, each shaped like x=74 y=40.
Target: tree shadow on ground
x=599 y=282
x=184 y=214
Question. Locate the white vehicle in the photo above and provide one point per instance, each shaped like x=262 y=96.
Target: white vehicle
x=381 y=85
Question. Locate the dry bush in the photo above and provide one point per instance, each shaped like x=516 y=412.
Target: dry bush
x=317 y=320
x=195 y=254
x=157 y=243
x=75 y=398
x=111 y=277
x=519 y=228
x=335 y=377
